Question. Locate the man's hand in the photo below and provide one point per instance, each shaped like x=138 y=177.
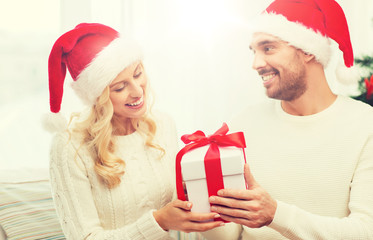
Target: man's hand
x=253 y=207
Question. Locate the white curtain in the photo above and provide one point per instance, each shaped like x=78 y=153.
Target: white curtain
x=197 y=58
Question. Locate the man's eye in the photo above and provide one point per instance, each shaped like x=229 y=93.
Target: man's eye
x=266 y=49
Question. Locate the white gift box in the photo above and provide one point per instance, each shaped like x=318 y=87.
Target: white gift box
x=193 y=171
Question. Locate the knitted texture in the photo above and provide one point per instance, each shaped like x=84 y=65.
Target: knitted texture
x=319 y=168
x=89 y=210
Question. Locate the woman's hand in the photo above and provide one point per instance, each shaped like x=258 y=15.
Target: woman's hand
x=176 y=215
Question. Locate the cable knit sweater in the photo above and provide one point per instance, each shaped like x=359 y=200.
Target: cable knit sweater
x=89 y=210
x=319 y=168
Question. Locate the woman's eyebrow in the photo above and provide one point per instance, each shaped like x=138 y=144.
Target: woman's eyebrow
x=137 y=67
x=114 y=84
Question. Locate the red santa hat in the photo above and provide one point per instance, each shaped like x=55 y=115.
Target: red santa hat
x=310 y=25
x=94 y=54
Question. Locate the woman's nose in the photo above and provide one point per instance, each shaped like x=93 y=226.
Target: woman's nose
x=136 y=89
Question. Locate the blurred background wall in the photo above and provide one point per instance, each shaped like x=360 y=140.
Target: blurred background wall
x=197 y=58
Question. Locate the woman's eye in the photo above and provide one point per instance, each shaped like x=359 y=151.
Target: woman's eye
x=118 y=89
x=137 y=75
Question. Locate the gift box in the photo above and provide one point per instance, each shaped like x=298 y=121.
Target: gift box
x=232 y=162
x=210 y=163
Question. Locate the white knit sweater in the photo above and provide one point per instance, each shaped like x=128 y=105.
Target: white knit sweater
x=89 y=210
x=319 y=168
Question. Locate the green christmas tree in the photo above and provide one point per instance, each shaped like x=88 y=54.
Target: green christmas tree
x=366 y=82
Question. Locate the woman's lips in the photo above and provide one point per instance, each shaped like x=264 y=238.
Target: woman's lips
x=138 y=104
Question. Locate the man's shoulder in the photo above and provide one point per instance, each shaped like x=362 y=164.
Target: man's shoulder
x=353 y=106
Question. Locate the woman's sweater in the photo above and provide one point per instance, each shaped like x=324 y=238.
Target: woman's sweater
x=89 y=210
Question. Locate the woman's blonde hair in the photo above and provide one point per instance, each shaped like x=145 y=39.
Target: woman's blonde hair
x=98 y=133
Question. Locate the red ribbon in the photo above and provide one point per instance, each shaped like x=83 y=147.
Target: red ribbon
x=214 y=175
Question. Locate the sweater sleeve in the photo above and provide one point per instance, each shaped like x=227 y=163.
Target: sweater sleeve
x=75 y=206
x=295 y=223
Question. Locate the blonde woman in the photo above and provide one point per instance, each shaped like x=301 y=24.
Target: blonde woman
x=112 y=167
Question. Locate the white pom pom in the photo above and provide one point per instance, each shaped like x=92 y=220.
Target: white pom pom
x=347 y=75
x=54 y=122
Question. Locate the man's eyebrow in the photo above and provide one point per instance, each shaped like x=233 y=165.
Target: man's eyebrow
x=264 y=42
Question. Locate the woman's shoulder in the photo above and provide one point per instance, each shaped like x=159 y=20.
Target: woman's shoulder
x=66 y=137
x=68 y=148
x=60 y=139
x=65 y=142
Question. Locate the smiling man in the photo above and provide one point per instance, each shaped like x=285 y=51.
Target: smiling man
x=310 y=151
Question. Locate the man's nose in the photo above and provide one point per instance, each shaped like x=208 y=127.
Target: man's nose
x=258 y=62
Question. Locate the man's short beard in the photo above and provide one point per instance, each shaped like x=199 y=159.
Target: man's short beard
x=292 y=84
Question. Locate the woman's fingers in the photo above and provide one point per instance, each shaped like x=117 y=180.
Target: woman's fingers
x=202 y=227
x=185 y=205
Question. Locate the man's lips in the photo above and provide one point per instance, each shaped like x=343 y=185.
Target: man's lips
x=268 y=77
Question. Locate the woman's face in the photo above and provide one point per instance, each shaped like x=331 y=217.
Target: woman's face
x=127 y=92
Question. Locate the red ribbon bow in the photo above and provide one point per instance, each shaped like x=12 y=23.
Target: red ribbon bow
x=214 y=176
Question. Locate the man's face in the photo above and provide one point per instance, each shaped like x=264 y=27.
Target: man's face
x=280 y=65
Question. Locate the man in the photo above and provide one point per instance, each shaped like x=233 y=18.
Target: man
x=310 y=151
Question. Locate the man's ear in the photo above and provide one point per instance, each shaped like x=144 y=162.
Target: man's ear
x=308 y=57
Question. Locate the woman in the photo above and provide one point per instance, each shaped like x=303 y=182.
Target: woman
x=112 y=168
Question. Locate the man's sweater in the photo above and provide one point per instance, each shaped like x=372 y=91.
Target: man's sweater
x=319 y=168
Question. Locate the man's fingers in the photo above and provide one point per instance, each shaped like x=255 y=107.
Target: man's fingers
x=226 y=211
x=242 y=221
x=236 y=193
x=228 y=202
x=249 y=178
x=247 y=218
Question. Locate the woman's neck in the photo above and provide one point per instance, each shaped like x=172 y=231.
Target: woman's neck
x=122 y=128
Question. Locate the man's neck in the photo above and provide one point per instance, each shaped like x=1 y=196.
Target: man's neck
x=316 y=98
x=308 y=105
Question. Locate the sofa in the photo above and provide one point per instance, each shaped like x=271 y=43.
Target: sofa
x=27 y=211
x=26 y=205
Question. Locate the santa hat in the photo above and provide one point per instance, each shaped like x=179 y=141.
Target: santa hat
x=94 y=54
x=310 y=25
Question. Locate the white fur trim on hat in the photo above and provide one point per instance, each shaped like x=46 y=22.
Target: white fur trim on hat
x=296 y=34
x=54 y=122
x=104 y=68
x=347 y=75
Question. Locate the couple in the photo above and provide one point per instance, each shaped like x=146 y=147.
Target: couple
x=310 y=150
